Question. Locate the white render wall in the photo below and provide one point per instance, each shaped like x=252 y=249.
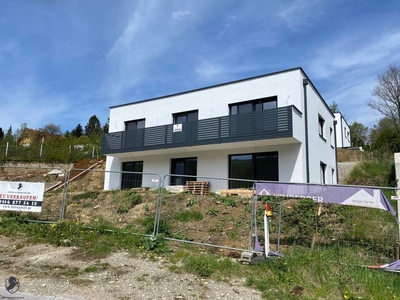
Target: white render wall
x=214 y=102
x=343 y=134
x=320 y=149
x=211 y=163
x=211 y=102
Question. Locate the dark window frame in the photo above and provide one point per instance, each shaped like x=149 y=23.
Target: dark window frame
x=181 y=180
x=137 y=124
x=253 y=105
x=254 y=171
x=189 y=116
x=321 y=127
x=323 y=168
x=132 y=180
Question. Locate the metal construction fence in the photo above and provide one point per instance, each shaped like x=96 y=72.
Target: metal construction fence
x=208 y=211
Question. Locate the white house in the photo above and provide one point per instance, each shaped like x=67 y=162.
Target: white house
x=271 y=127
x=343 y=139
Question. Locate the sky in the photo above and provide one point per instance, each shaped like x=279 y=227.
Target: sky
x=62 y=62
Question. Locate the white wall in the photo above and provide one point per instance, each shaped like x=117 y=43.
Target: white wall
x=211 y=102
x=343 y=134
x=212 y=163
x=320 y=149
x=214 y=102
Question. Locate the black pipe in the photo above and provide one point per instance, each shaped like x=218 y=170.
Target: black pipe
x=305 y=83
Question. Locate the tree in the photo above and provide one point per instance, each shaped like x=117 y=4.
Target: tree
x=77 y=131
x=387 y=95
x=52 y=129
x=359 y=134
x=384 y=136
x=1 y=133
x=334 y=107
x=21 y=133
x=9 y=135
x=106 y=126
x=93 y=127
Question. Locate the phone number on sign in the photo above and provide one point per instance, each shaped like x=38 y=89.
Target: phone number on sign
x=20 y=202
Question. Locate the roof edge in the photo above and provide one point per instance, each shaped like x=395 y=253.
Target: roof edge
x=218 y=85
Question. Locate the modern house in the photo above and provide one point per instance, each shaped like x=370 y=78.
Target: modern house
x=343 y=139
x=274 y=127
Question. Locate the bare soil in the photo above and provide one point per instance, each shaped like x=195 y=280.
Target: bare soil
x=55 y=271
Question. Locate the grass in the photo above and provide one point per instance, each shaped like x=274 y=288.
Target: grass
x=329 y=272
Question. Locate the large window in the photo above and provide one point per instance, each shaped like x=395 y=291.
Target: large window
x=253 y=105
x=183 y=166
x=135 y=124
x=132 y=180
x=256 y=166
x=187 y=116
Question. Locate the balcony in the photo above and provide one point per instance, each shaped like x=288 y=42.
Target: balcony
x=266 y=124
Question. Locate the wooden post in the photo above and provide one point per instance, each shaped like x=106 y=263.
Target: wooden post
x=317 y=215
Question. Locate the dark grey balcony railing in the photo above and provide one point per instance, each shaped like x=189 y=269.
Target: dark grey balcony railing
x=266 y=124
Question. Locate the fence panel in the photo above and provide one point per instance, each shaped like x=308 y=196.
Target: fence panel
x=129 y=201
x=53 y=178
x=204 y=210
x=369 y=235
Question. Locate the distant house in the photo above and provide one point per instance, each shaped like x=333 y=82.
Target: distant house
x=274 y=127
x=343 y=138
x=31 y=136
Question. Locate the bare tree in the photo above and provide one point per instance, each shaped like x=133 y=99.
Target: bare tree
x=387 y=95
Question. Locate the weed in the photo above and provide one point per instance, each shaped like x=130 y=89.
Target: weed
x=86 y=195
x=213 y=212
x=187 y=216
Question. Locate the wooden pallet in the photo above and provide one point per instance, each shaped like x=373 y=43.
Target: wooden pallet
x=198 y=187
x=237 y=192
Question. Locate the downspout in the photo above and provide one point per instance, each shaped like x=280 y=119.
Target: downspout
x=305 y=83
x=336 y=156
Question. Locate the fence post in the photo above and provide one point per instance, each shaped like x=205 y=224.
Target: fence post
x=64 y=199
x=7 y=149
x=397 y=169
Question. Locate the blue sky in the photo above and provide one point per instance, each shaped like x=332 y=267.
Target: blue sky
x=64 y=61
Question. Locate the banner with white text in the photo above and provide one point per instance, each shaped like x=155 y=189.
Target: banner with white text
x=346 y=195
x=21 y=196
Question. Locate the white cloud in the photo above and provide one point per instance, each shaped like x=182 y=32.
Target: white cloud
x=208 y=70
x=178 y=15
x=350 y=52
x=298 y=13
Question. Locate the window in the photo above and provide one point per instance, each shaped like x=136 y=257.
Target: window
x=323 y=172
x=321 y=125
x=183 y=166
x=132 y=180
x=184 y=117
x=256 y=166
x=332 y=137
x=135 y=124
x=254 y=105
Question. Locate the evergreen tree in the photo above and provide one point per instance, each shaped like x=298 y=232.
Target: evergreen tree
x=93 y=127
x=77 y=131
x=1 y=133
x=106 y=126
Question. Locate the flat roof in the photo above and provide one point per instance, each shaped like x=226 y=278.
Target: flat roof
x=227 y=83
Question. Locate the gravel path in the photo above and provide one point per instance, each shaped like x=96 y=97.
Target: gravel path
x=47 y=270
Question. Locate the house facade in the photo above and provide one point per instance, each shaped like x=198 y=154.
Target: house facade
x=343 y=138
x=274 y=127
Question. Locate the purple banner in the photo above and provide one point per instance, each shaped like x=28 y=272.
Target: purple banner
x=365 y=197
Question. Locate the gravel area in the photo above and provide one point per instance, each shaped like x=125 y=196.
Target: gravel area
x=49 y=271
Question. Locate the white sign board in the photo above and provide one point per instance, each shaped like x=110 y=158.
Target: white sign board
x=177 y=128
x=21 y=196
